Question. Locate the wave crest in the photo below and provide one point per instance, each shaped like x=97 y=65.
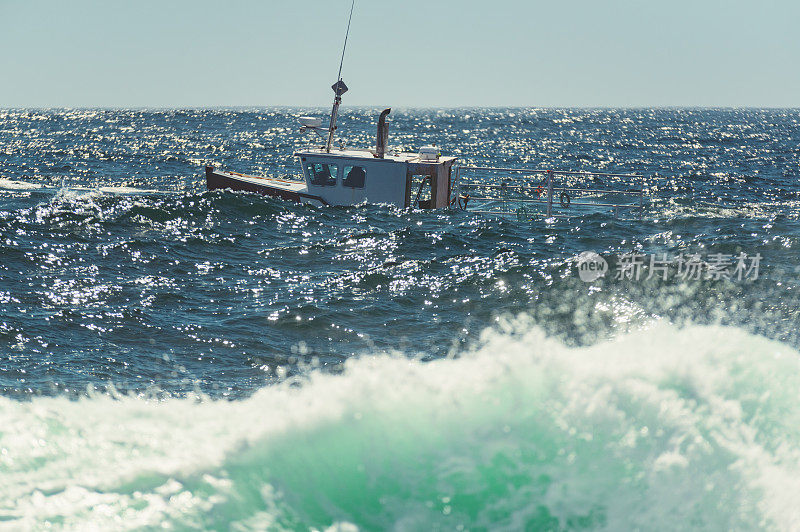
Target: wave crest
x=657 y=429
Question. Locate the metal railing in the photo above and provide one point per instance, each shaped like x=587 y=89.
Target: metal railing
x=526 y=193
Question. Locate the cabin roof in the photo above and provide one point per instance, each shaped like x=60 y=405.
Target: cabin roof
x=355 y=153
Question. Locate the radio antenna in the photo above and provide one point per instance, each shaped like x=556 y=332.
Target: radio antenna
x=347 y=34
x=339 y=87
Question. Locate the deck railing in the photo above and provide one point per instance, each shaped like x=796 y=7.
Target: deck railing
x=526 y=193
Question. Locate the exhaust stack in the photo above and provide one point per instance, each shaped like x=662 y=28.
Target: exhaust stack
x=383 y=134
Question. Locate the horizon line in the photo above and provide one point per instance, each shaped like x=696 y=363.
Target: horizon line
x=399 y=108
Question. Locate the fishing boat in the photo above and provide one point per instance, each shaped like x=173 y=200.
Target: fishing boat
x=353 y=176
x=428 y=180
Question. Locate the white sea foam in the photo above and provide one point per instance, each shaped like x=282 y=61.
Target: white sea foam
x=10 y=184
x=660 y=429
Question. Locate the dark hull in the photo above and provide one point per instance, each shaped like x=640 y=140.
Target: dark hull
x=274 y=188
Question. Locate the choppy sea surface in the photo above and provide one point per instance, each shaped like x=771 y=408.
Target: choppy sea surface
x=192 y=359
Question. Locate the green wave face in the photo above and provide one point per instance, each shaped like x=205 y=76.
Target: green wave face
x=663 y=429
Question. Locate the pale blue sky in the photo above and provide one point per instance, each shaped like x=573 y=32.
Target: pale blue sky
x=600 y=53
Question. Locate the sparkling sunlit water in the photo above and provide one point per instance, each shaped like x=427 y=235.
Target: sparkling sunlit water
x=218 y=360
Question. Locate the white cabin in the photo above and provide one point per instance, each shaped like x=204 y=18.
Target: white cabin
x=351 y=176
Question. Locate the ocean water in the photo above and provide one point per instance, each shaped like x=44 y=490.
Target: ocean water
x=192 y=359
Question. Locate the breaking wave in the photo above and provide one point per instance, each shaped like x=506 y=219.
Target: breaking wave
x=665 y=428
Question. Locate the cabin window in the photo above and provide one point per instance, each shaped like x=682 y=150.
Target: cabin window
x=322 y=175
x=354 y=176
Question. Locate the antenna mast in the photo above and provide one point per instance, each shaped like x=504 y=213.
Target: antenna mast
x=339 y=87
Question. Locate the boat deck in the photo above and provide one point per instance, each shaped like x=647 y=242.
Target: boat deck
x=286 y=189
x=285 y=184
